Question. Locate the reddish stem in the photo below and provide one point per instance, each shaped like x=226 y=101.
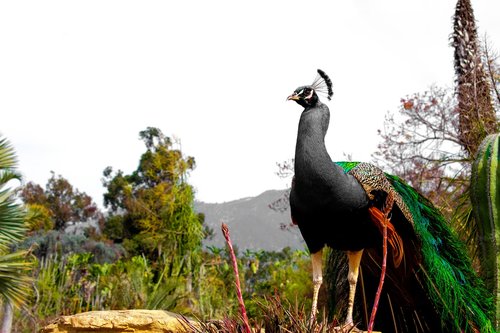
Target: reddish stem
x=382 y=276
x=243 y=311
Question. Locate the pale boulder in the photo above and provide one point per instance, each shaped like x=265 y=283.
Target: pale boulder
x=136 y=321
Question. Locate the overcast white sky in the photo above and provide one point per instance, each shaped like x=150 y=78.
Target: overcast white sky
x=80 y=79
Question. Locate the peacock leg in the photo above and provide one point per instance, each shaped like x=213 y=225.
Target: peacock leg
x=317 y=262
x=352 y=277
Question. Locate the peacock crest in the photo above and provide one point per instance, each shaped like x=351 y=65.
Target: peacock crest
x=323 y=85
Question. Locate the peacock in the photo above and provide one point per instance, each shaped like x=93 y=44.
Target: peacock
x=430 y=285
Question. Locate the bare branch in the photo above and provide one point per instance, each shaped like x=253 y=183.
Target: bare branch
x=421 y=144
x=493 y=71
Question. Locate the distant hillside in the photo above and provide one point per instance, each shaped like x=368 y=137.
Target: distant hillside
x=252 y=224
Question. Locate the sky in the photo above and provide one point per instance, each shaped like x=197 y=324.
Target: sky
x=80 y=79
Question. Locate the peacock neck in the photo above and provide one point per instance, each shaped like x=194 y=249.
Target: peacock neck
x=318 y=181
x=312 y=161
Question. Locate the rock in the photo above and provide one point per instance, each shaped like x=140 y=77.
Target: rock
x=136 y=321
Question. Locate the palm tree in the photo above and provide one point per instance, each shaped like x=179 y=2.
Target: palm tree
x=14 y=266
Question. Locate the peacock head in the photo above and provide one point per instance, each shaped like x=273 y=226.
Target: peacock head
x=307 y=96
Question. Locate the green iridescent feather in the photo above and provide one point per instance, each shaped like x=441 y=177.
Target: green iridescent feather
x=451 y=284
x=347 y=166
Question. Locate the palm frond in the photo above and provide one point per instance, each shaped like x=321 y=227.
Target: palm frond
x=8 y=158
x=15 y=282
x=14 y=267
x=12 y=227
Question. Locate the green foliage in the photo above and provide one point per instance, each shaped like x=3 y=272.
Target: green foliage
x=69 y=284
x=151 y=214
x=14 y=267
x=285 y=272
x=485 y=197
x=75 y=283
x=133 y=284
x=151 y=210
x=38 y=217
x=262 y=273
x=216 y=287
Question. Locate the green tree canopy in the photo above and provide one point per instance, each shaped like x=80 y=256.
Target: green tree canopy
x=151 y=210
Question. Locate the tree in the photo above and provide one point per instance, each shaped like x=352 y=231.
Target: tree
x=14 y=281
x=151 y=210
x=49 y=211
x=421 y=144
x=63 y=202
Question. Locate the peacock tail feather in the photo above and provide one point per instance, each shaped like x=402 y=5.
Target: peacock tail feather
x=439 y=262
x=452 y=285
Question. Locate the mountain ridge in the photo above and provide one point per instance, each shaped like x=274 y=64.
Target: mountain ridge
x=252 y=223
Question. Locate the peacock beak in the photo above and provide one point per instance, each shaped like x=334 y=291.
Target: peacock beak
x=293 y=97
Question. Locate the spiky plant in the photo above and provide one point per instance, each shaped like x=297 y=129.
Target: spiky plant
x=485 y=196
x=276 y=316
x=475 y=108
